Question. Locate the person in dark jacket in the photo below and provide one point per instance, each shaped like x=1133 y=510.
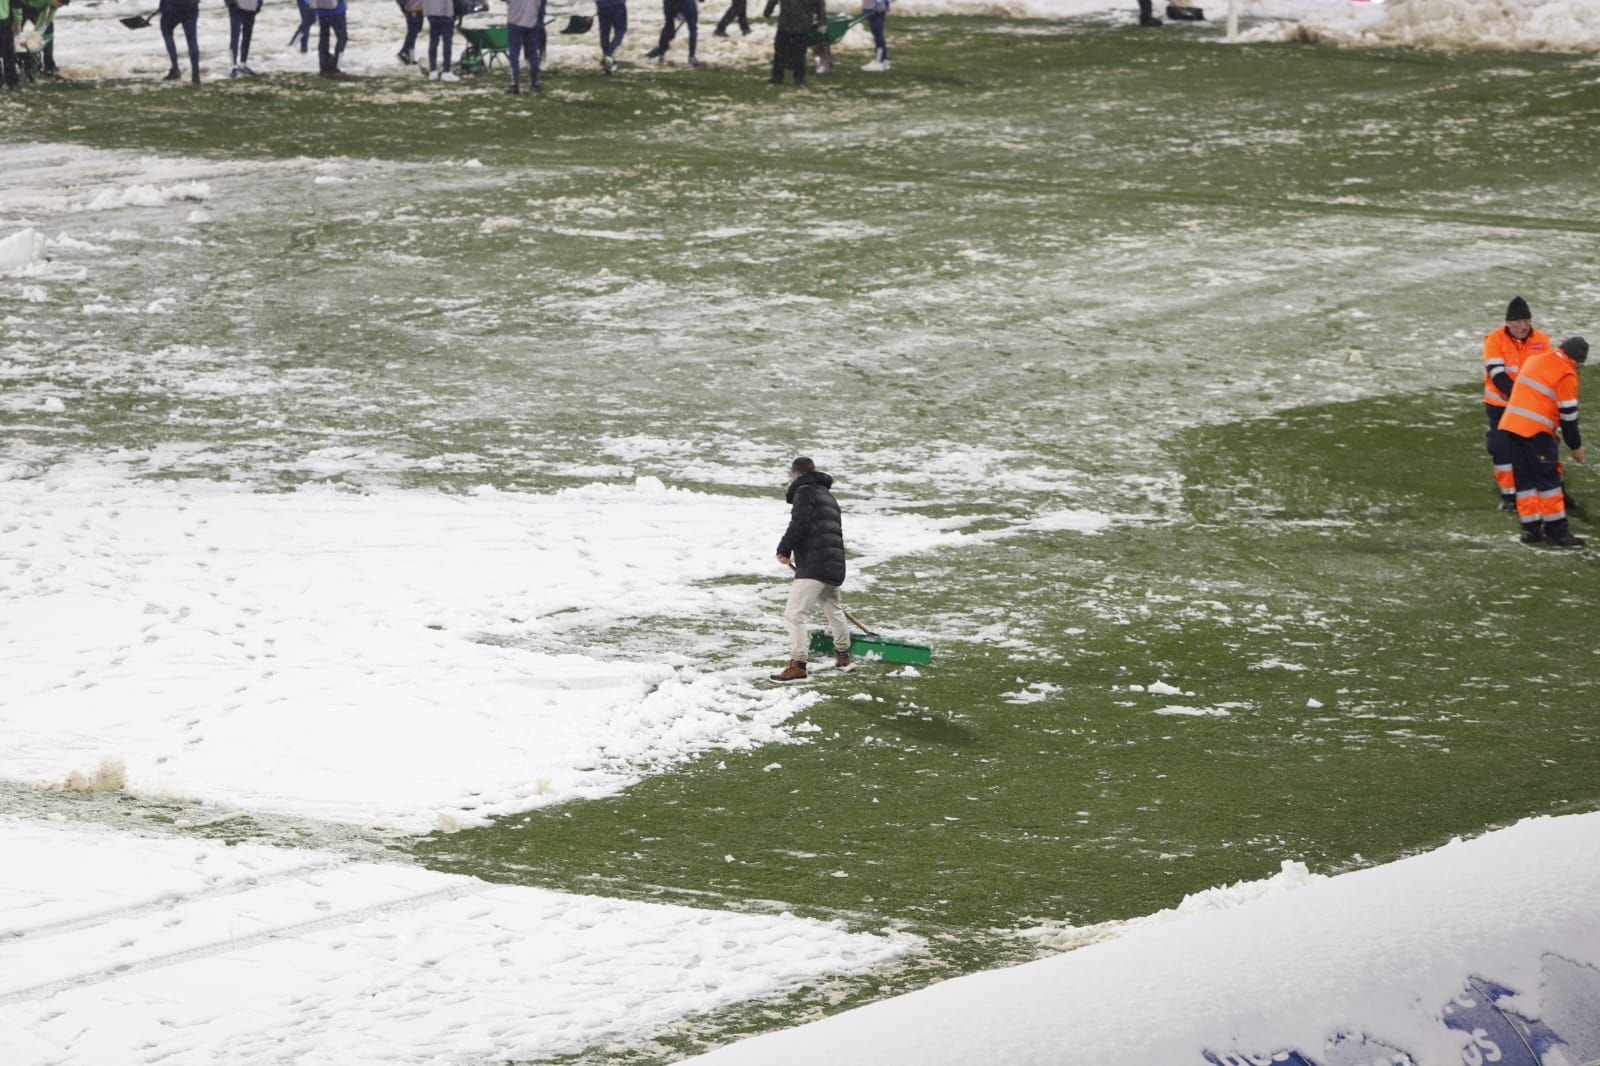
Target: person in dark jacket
x=795 y=19
x=813 y=546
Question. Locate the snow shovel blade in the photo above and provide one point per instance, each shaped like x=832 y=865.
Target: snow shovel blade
x=1185 y=13
x=578 y=24
x=864 y=646
x=834 y=31
x=138 y=22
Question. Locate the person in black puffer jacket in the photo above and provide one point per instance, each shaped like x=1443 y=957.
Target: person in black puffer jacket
x=815 y=543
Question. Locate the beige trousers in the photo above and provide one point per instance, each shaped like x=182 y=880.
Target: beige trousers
x=805 y=594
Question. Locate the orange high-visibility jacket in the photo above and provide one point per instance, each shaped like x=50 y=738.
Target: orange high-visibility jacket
x=1544 y=397
x=1504 y=354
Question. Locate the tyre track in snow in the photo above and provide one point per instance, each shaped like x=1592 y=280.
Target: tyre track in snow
x=222 y=947
x=164 y=901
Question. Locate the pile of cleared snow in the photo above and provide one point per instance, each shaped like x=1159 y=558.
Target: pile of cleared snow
x=118 y=949
x=21 y=249
x=1504 y=25
x=376 y=659
x=1413 y=962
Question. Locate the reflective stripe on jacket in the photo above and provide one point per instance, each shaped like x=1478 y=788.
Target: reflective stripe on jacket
x=1503 y=353
x=1545 y=397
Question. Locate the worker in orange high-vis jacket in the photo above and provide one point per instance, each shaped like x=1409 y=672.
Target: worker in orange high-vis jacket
x=1504 y=351
x=1545 y=397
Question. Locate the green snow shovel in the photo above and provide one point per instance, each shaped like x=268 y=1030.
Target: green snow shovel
x=869 y=645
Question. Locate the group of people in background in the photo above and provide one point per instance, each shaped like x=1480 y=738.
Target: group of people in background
x=802 y=25
x=1530 y=393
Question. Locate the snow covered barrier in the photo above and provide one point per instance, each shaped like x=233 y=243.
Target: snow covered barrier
x=1486 y=951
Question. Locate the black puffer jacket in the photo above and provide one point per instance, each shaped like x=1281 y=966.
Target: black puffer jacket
x=815 y=537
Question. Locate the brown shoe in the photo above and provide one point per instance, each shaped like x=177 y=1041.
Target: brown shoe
x=843 y=660
x=795 y=671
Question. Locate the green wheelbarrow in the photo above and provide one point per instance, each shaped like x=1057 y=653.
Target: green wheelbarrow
x=485 y=44
x=838 y=26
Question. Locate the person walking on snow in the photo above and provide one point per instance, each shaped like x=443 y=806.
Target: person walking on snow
x=331 y=17
x=813 y=546
x=185 y=13
x=877 y=12
x=412 y=10
x=241 y=24
x=1545 y=396
x=308 y=18
x=524 y=21
x=671 y=11
x=795 y=19
x=738 y=10
x=613 y=18
x=441 y=16
x=1504 y=351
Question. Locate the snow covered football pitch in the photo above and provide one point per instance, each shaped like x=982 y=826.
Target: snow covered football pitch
x=390 y=480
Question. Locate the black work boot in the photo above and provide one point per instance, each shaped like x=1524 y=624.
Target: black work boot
x=1533 y=533
x=174 y=74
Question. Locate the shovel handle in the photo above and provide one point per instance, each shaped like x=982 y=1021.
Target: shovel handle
x=853 y=619
x=857 y=623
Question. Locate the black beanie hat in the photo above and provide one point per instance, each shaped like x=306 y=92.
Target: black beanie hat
x=1577 y=348
x=1518 y=310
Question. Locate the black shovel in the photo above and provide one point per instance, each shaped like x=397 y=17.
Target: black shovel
x=139 y=22
x=1185 y=13
x=578 y=24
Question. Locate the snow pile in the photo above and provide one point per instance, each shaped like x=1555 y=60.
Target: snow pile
x=21 y=249
x=403 y=660
x=1397 y=957
x=147 y=195
x=1128 y=10
x=1509 y=25
x=195 y=952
